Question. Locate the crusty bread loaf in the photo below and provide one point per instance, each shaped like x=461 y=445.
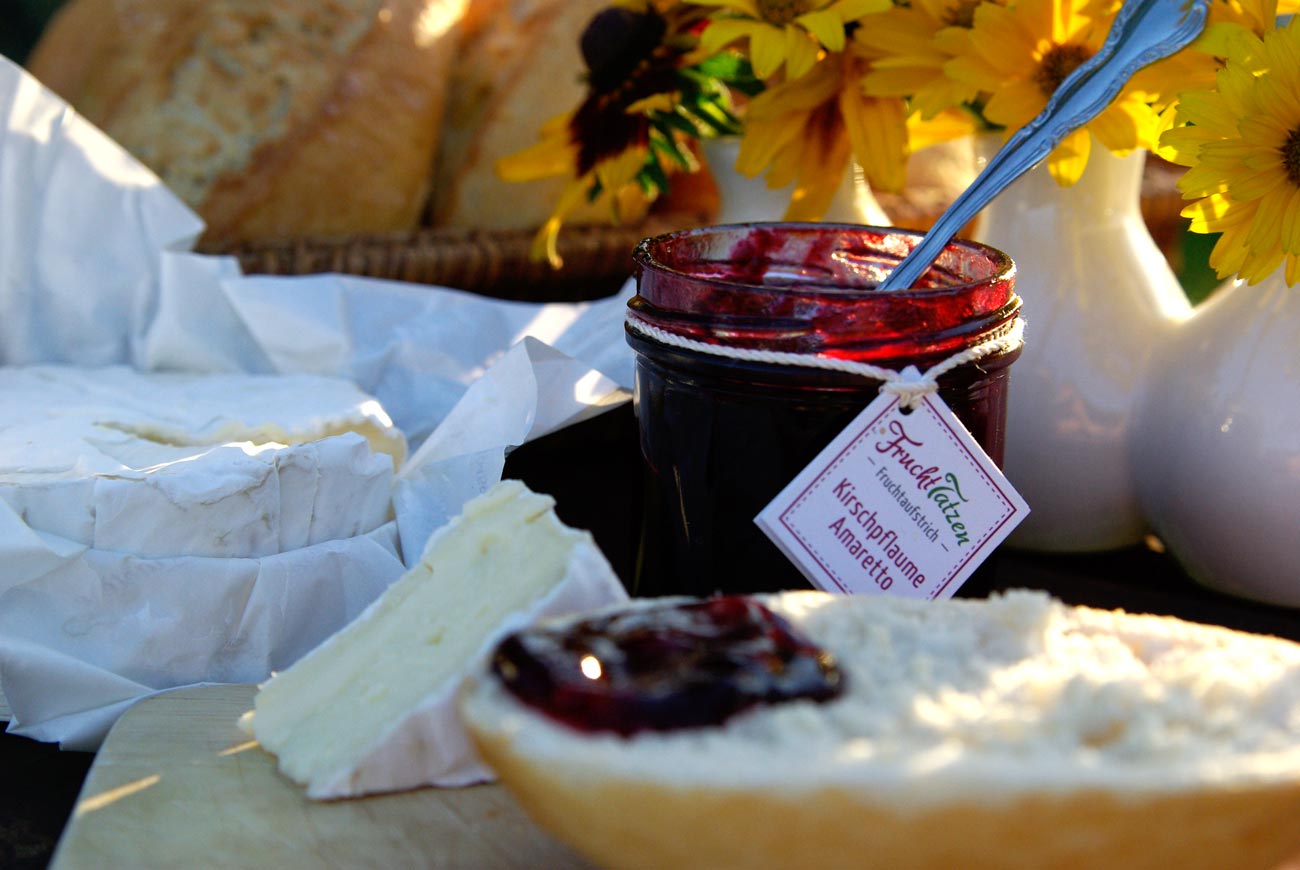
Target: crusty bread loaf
x=311 y=117
x=519 y=66
x=72 y=45
x=1010 y=733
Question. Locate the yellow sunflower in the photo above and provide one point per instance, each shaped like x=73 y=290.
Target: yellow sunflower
x=783 y=32
x=805 y=132
x=556 y=153
x=609 y=147
x=1195 y=67
x=908 y=47
x=1020 y=54
x=1241 y=142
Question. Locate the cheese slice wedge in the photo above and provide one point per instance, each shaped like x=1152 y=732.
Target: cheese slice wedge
x=373 y=708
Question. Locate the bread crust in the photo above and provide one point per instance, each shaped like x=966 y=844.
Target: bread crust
x=641 y=824
x=318 y=119
x=71 y=46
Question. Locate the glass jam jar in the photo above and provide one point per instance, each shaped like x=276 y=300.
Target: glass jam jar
x=722 y=437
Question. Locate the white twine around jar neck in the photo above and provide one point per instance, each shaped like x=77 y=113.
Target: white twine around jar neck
x=910 y=385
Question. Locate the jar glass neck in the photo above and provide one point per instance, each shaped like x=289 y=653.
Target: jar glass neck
x=810 y=288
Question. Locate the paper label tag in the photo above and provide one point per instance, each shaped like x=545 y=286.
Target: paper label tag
x=898 y=504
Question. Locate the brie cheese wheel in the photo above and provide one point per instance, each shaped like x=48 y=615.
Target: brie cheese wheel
x=169 y=464
x=373 y=708
x=174 y=409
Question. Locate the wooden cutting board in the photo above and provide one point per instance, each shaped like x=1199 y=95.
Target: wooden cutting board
x=177 y=784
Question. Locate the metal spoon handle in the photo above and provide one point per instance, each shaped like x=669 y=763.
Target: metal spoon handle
x=1144 y=31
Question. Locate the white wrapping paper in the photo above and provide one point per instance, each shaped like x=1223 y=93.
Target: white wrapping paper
x=97 y=270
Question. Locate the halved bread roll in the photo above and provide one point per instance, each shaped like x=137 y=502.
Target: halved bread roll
x=1012 y=733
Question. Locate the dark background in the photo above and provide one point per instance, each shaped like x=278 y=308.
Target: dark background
x=21 y=22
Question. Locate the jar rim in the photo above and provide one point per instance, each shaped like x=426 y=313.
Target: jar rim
x=1001 y=266
x=810 y=288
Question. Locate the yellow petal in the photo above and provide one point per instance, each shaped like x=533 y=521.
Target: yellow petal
x=1000 y=39
x=1291 y=224
x=1229 y=252
x=621 y=169
x=975 y=71
x=1068 y=160
x=554 y=156
x=1259 y=265
x=800 y=52
x=818 y=183
x=1200 y=181
x=1125 y=126
x=721 y=32
x=1266 y=229
x=827 y=26
x=1015 y=104
x=945 y=126
x=766 y=50
x=1234 y=217
x=1215 y=209
x=877 y=131
x=851 y=10
x=799 y=95
x=545 y=242
x=1264 y=129
x=897 y=35
x=1256 y=185
x=1207 y=110
x=761 y=141
x=885 y=82
x=1292 y=270
x=786 y=164
x=744 y=7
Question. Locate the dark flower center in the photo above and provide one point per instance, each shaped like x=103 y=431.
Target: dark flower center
x=627 y=61
x=960 y=14
x=781 y=12
x=1291 y=156
x=1057 y=64
x=616 y=41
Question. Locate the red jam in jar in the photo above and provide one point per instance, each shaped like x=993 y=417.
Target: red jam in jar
x=721 y=437
x=665 y=666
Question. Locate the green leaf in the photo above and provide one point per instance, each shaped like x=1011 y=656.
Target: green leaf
x=676 y=120
x=652 y=178
x=664 y=144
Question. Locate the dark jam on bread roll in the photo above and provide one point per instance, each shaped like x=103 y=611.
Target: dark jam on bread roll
x=675 y=665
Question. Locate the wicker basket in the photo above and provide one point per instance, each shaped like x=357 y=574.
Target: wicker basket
x=597 y=259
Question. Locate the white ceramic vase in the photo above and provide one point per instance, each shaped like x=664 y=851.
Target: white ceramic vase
x=742 y=199
x=1098 y=297
x=1216 y=442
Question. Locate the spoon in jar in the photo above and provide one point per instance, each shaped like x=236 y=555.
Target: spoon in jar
x=1144 y=31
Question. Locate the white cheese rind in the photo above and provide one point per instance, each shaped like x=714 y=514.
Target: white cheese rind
x=172 y=408
x=81 y=634
x=249 y=502
x=374 y=707
x=164 y=465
